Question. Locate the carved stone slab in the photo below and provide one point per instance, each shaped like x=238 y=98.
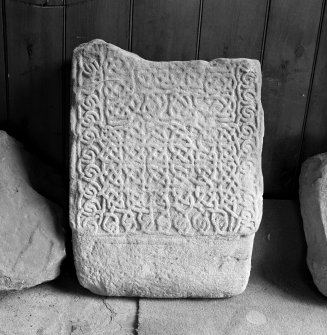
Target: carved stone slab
x=313 y=199
x=166 y=182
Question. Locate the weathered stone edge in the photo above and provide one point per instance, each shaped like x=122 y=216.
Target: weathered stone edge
x=84 y=47
x=312 y=185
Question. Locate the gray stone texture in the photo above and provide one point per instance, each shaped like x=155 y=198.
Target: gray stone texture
x=63 y=307
x=280 y=299
x=263 y=309
x=31 y=238
x=166 y=181
x=313 y=198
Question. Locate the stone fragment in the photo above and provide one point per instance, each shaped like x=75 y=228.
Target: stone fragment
x=31 y=239
x=313 y=199
x=166 y=181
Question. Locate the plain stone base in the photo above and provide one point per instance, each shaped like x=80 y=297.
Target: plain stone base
x=163 y=267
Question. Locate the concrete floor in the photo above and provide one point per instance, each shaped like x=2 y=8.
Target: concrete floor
x=63 y=307
x=264 y=308
x=280 y=298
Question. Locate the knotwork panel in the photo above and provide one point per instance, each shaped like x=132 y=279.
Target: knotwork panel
x=169 y=148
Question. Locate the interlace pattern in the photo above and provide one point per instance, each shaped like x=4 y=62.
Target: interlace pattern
x=169 y=148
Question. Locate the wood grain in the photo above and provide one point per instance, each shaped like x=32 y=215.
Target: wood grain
x=315 y=135
x=104 y=19
x=35 y=54
x=288 y=58
x=41 y=35
x=41 y=3
x=232 y=28
x=165 y=29
x=3 y=93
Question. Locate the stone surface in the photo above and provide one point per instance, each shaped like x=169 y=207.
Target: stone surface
x=264 y=308
x=63 y=307
x=280 y=297
x=166 y=182
x=31 y=239
x=313 y=198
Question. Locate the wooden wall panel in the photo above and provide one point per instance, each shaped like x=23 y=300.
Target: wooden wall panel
x=42 y=3
x=104 y=19
x=315 y=135
x=3 y=92
x=41 y=35
x=165 y=29
x=232 y=28
x=287 y=64
x=35 y=50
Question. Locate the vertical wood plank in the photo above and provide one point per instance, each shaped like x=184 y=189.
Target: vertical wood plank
x=104 y=19
x=288 y=58
x=3 y=90
x=315 y=134
x=232 y=28
x=43 y=3
x=165 y=29
x=35 y=54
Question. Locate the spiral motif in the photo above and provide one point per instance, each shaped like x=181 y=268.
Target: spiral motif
x=110 y=224
x=182 y=225
x=200 y=223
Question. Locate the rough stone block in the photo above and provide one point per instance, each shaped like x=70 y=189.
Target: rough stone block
x=32 y=243
x=166 y=181
x=313 y=199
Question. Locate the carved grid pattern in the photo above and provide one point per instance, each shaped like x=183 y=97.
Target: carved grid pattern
x=165 y=148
